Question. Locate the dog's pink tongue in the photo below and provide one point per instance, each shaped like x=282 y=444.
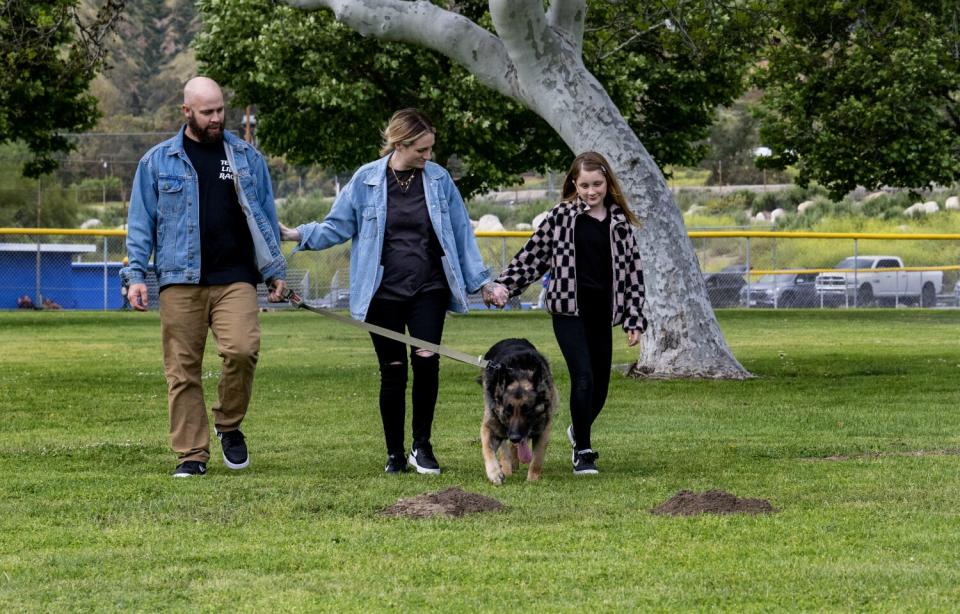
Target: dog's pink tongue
x=523 y=451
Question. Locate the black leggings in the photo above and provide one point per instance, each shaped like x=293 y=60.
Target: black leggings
x=422 y=315
x=586 y=341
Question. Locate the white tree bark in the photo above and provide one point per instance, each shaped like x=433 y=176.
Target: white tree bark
x=536 y=59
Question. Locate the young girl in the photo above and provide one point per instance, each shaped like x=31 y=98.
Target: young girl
x=586 y=244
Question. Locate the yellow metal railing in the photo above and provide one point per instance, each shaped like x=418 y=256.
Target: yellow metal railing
x=693 y=234
x=775 y=234
x=63 y=231
x=755 y=272
x=752 y=253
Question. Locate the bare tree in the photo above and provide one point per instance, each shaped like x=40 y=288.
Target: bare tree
x=536 y=58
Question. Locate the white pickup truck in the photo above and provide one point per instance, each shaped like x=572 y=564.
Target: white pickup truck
x=870 y=280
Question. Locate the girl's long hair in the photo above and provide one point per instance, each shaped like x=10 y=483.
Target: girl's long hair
x=404 y=128
x=592 y=161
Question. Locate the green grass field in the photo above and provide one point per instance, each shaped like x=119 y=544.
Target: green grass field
x=90 y=520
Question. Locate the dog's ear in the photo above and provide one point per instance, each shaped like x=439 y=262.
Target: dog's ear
x=493 y=373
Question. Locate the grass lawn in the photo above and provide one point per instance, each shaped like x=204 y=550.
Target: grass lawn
x=90 y=520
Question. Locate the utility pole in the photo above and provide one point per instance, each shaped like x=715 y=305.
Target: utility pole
x=249 y=121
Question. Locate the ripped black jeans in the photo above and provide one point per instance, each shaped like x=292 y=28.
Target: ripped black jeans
x=422 y=317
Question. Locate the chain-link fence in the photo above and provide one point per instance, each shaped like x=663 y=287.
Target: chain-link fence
x=79 y=269
x=828 y=270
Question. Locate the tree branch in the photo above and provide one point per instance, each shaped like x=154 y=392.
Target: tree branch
x=533 y=46
x=568 y=17
x=427 y=25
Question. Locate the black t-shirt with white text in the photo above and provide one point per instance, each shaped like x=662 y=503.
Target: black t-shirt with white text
x=226 y=249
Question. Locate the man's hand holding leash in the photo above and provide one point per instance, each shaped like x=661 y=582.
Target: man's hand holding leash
x=277 y=288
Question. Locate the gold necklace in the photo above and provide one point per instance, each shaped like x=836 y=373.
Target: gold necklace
x=404 y=184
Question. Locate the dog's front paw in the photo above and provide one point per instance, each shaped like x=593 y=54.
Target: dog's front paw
x=495 y=477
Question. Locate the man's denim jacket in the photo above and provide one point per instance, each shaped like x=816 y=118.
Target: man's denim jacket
x=360 y=213
x=165 y=213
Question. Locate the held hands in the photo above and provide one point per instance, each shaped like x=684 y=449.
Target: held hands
x=633 y=337
x=494 y=294
x=289 y=234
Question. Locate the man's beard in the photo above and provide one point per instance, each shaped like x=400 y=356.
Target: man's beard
x=205 y=135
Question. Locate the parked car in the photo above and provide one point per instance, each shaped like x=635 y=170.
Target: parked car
x=723 y=288
x=869 y=280
x=782 y=290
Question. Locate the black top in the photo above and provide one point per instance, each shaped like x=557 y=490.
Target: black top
x=226 y=248
x=411 y=251
x=594 y=261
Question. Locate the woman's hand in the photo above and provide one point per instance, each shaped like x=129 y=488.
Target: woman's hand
x=494 y=294
x=289 y=234
x=633 y=337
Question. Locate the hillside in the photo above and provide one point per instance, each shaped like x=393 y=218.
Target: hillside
x=149 y=61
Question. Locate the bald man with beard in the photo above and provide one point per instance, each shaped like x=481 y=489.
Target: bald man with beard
x=202 y=207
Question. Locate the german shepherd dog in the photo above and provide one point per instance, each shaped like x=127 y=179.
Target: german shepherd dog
x=519 y=400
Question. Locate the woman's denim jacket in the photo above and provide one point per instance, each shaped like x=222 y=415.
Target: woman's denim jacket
x=165 y=213
x=360 y=213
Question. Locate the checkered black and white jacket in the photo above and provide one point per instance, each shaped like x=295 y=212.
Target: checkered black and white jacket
x=551 y=248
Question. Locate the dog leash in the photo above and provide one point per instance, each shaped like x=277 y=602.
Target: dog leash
x=477 y=361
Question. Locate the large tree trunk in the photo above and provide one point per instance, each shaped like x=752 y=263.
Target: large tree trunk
x=537 y=61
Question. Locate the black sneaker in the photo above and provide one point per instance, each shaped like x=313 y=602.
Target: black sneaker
x=234 y=449
x=585 y=462
x=423 y=460
x=396 y=463
x=188 y=469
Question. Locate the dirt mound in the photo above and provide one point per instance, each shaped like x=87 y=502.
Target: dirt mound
x=689 y=503
x=452 y=502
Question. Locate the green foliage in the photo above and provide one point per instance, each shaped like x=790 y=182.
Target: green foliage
x=19 y=196
x=48 y=56
x=325 y=93
x=89 y=519
x=734 y=139
x=730 y=203
x=92 y=190
x=864 y=93
x=887 y=206
x=668 y=65
x=296 y=210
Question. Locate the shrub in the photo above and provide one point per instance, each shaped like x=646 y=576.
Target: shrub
x=299 y=210
x=887 y=206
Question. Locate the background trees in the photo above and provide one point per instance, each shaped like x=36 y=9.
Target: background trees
x=864 y=93
x=48 y=56
x=324 y=91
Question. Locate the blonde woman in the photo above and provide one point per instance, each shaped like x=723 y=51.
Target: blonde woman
x=413 y=257
x=586 y=245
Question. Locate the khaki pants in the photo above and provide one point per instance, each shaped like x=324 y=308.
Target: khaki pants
x=186 y=312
